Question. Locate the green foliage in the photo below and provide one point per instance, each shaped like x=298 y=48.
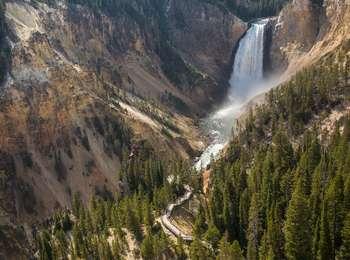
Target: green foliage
x=98 y=231
x=282 y=189
x=297 y=227
x=200 y=225
x=153 y=247
x=198 y=251
x=212 y=235
x=345 y=247
x=325 y=244
x=229 y=251
x=254 y=228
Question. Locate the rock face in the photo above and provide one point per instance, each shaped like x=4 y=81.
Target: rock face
x=294 y=32
x=154 y=50
x=198 y=29
x=84 y=86
x=305 y=31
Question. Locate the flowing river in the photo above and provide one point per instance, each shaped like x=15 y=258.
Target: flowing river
x=246 y=82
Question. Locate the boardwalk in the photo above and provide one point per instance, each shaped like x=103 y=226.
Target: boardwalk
x=165 y=219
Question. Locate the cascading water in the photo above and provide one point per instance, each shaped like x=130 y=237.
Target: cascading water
x=249 y=61
x=245 y=83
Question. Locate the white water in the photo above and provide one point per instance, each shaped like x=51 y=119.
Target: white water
x=246 y=82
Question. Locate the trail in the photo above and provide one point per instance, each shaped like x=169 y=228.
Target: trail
x=166 y=223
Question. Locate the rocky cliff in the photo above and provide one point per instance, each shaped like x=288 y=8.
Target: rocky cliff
x=305 y=30
x=85 y=86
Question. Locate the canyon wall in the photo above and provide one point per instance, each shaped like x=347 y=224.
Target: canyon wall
x=304 y=31
x=86 y=87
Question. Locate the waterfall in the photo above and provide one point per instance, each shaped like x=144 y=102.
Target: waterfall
x=245 y=83
x=248 y=64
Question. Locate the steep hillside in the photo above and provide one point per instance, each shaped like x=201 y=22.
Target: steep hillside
x=285 y=173
x=306 y=30
x=101 y=99
x=303 y=33
x=87 y=86
x=284 y=178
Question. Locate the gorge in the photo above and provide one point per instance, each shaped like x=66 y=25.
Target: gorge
x=116 y=121
x=246 y=82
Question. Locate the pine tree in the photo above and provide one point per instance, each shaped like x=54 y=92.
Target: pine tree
x=243 y=216
x=147 y=248
x=347 y=195
x=78 y=242
x=315 y=197
x=345 y=247
x=61 y=244
x=133 y=224
x=199 y=223
x=274 y=235
x=297 y=229
x=198 y=251
x=254 y=229
x=229 y=215
x=216 y=206
x=116 y=250
x=264 y=247
x=229 y=251
x=325 y=243
x=267 y=185
x=335 y=201
x=212 y=235
x=148 y=218
x=316 y=238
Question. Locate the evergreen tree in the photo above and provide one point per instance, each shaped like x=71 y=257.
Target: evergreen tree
x=254 y=229
x=243 y=216
x=335 y=212
x=297 y=229
x=347 y=195
x=147 y=248
x=198 y=251
x=133 y=224
x=229 y=215
x=199 y=223
x=229 y=251
x=148 y=218
x=345 y=247
x=212 y=235
x=325 y=244
x=274 y=235
x=316 y=238
x=216 y=206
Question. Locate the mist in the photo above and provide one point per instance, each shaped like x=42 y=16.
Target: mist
x=246 y=82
